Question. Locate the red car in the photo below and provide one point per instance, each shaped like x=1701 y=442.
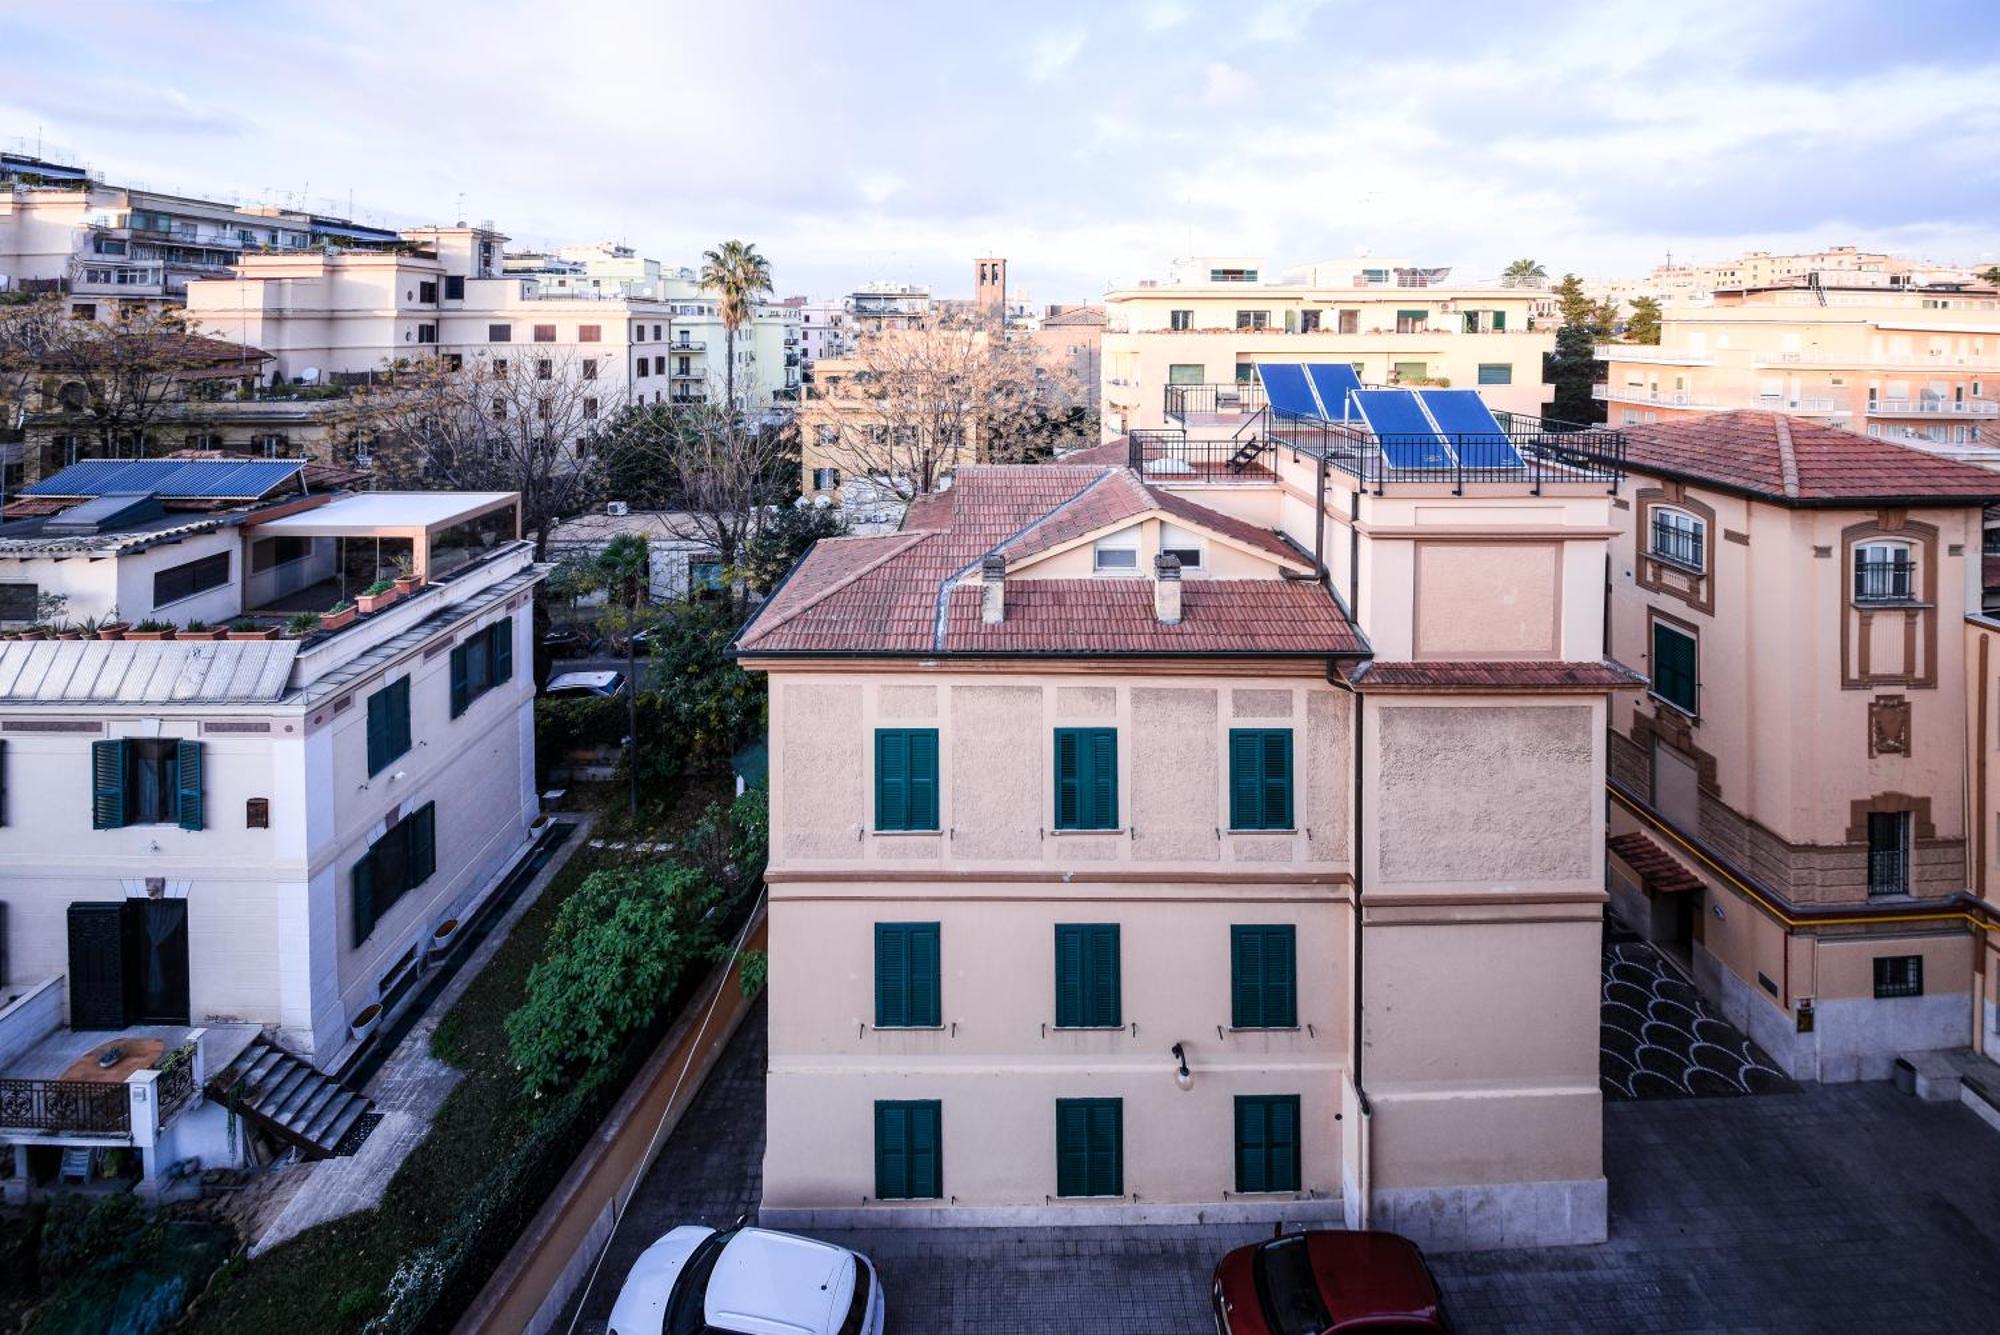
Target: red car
x=1326 y=1280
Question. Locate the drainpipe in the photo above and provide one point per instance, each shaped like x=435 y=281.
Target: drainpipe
x=1363 y=1141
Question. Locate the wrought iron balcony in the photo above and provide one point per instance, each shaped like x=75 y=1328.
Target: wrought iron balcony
x=89 y=1106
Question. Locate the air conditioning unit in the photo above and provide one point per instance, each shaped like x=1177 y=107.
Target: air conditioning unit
x=617 y=509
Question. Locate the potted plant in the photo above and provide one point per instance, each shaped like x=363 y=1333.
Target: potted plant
x=377 y=596
x=340 y=614
x=301 y=624
x=443 y=937
x=200 y=630
x=69 y=632
x=243 y=628
x=150 y=629
x=111 y=628
x=365 y=1020
x=407 y=581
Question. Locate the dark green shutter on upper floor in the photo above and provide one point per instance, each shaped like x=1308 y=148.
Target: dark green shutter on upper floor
x=1267 y=1142
x=1086 y=767
x=188 y=767
x=1087 y=976
x=402 y=859
x=907 y=975
x=1674 y=667
x=1263 y=977
x=906 y=779
x=1090 y=1147
x=1260 y=778
x=909 y=1149
x=107 y=785
x=388 y=724
x=461 y=692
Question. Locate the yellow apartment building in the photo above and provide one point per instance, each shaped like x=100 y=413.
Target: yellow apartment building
x=1788 y=796
x=1920 y=365
x=1167 y=835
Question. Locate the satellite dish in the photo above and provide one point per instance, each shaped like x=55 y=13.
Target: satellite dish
x=310 y=375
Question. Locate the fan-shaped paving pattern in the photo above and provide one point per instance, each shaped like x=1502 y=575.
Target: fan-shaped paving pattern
x=1659 y=1040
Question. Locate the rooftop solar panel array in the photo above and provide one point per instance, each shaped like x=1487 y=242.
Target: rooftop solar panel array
x=1334 y=381
x=1469 y=424
x=1287 y=390
x=1409 y=438
x=181 y=479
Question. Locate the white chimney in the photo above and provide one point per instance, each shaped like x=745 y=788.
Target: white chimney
x=1167 y=589
x=993 y=589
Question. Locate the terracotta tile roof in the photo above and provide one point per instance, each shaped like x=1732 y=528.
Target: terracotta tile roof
x=1654 y=865
x=1796 y=462
x=1497 y=675
x=1111 y=454
x=1082 y=315
x=900 y=593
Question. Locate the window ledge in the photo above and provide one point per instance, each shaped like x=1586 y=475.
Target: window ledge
x=1675 y=563
x=1262 y=829
x=1066 y=832
x=905 y=834
x=907 y=1028
x=1087 y=1028
x=1687 y=714
x=1267 y=1029
x=1897 y=604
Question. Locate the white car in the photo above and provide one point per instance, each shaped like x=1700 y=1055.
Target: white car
x=572 y=684
x=751 y=1281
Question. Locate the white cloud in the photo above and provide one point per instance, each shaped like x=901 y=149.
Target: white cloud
x=1055 y=52
x=1223 y=84
x=1281 y=20
x=1162 y=15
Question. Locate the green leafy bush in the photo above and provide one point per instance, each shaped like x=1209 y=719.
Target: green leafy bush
x=711 y=707
x=619 y=946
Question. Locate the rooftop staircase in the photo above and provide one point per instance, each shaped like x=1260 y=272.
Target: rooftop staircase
x=290 y=1098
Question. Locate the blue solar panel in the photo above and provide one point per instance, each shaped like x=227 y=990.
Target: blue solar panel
x=1334 y=381
x=204 y=479
x=1464 y=417
x=1408 y=438
x=1286 y=389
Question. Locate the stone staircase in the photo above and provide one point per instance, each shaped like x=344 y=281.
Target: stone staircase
x=1953 y=1075
x=290 y=1098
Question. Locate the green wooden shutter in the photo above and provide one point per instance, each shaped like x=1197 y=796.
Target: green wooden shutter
x=1250 y=1142
x=892 y=1150
x=363 y=883
x=1069 y=975
x=926 y=1003
x=459 y=697
x=1246 y=978
x=1069 y=803
x=1674 y=666
x=1245 y=778
x=1073 y=1147
x=399 y=718
x=107 y=785
x=1281 y=989
x=926 y=1150
x=187 y=805
x=378 y=732
x=1102 y=1005
x=1277 y=779
x=501 y=655
x=1103 y=771
x=922 y=754
x=892 y=975
x=1107 y=1147
x=892 y=779
x=3 y=791
x=423 y=843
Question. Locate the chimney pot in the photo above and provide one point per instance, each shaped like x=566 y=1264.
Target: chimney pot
x=1167 y=589
x=993 y=589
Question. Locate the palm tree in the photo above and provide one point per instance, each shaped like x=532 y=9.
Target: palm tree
x=737 y=274
x=1524 y=273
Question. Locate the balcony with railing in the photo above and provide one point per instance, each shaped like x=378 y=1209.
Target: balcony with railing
x=1664 y=398
x=688 y=345
x=1794 y=403
x=1934 y=407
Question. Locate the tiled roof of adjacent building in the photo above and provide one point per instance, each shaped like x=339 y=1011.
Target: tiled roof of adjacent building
x=1497 y=675
x=1654 y=865
x=1796 y=462
x=1081 y=315
x=908 y=593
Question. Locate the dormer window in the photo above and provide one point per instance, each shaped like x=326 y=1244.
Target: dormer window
x=1184 y=544
x=1117 y=554
x=1884 y=572
x=1678 y=538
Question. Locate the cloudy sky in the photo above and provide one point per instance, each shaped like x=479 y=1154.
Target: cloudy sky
x=1087 y=140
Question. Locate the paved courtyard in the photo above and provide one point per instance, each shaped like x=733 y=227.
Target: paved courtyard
x=1835 y=1208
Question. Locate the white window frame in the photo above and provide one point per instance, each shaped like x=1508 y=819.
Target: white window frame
x=1884 y=552
x=1125 y=546
x=1692 y=524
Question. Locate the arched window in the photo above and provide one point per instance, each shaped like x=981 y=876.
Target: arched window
x=1884 y=572
x=1678 y=538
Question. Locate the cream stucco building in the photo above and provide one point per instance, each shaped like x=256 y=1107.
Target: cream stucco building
x=1789 y=796
x=1914 y=364
x=1156 y=839
x=1214 y=318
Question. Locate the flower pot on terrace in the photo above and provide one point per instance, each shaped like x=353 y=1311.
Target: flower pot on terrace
x=408 y=584
x=166 y=634
x=334 y=620
x=443 y=937
x=365 y=1020
x=262 y=633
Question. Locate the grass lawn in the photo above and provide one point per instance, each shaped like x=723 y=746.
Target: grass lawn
x=333 y=1277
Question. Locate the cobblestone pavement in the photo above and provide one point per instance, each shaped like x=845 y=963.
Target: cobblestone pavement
x=1833 y=1208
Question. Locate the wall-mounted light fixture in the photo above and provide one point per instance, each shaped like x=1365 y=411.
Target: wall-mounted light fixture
x=1183 y=1077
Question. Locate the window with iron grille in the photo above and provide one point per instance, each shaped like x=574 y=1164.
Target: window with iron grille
x=1884 y=572
x=1677 y=537
x=1253 y=319
x=1899 y=976
x=1888 y=853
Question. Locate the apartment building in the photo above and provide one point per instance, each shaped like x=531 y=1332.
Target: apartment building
x=1982 y=734
x=1913 y=364
x=825 y=331
x=1178 y=832
x=1072 y=338
x=244 y=847
x=875 y=307
x=1215 y=317
x=768 y=349
x=108 y=248
x=1789 y=795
